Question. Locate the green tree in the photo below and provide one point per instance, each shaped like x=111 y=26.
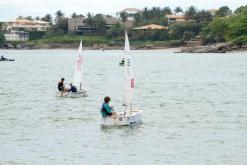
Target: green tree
x=62 y=26
x=137 y=18
x=116 y=30
x=158 y=35
x=37 y=18
x=178 y=10
x=1 y=27
x=154 y=15
x=59 y=15
x=190 y=13
x=223 y=11
x=2 y=38
x=47 y=18
x=177 y=30
x=203 y=16
x=89 y=21
x=215 y=31
x=237 y=28
x=100 y=23
x=218 y=28
x=240 y=9
x=167 y=11
x=74 y=15
x=124 y=17
x=29 y=18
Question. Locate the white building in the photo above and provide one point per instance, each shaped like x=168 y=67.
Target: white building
x=17 y=36
x=18 y=30
x=130 y=12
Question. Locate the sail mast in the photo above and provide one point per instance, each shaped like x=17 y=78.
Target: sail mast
x=78 y=68
x=128 y=78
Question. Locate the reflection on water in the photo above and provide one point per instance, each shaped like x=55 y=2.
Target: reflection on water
x=193 y=104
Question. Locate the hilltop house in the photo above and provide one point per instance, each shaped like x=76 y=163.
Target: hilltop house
x=78 y=25
x=175 y=18
x=18 y=30
x=130 y=13
x=212 y=11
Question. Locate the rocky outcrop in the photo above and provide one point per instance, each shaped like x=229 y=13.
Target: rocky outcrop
x=217 y=48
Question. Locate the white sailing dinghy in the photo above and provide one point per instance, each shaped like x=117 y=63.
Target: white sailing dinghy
x=130 y=115
x=77 y=82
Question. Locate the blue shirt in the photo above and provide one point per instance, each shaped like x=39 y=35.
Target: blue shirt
x=73 y=89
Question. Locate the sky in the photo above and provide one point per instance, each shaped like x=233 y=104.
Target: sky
x=10 y=9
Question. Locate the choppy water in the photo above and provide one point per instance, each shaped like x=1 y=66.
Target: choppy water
x=194 y=109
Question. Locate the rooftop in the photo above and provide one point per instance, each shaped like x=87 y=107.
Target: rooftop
x=176 y=16
x=21 y=21
x=151 y=27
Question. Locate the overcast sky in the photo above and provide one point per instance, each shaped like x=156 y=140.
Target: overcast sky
x=10 y=9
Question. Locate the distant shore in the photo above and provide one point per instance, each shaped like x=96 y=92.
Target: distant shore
x=216 y=48
x=75 y=46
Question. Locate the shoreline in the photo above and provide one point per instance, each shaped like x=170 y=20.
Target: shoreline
x=75 y=46
x=217 y=48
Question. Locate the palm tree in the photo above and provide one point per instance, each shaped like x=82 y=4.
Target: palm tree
x=190 y=14
x=178 y=10
x=124 y=17
x=138 y=18
x=100 y=23
x=74 y=15
x=59 y=14
x=167 y=11
x=145 y=13
x=47 y=18
x=89 y=21
x=223 y=11
x=203 y=16
x=29 y=18
x=1 y=26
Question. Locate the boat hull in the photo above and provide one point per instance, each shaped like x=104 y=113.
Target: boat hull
x=123 y=119
x=81 y=93
x=8 y=60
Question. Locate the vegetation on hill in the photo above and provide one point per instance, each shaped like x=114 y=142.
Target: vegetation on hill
x=224 y=26
x=227 y=29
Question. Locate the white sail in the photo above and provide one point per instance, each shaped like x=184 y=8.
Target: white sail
x=78 y=69
x=129 y=82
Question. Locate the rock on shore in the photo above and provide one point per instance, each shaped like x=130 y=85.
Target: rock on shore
x=218 y=48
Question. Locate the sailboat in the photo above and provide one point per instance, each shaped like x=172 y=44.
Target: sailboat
x=130 y=115
x=77 y=80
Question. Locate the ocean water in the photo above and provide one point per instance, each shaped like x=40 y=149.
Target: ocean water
x=194 y=109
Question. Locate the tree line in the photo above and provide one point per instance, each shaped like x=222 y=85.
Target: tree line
x=223 y=26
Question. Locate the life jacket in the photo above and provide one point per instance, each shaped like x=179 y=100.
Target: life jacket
x=104 y=111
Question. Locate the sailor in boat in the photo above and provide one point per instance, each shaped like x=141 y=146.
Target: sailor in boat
x=122 y=62
x=61 y=86
x=72 y=89
x=3 y=58
x=106 y=110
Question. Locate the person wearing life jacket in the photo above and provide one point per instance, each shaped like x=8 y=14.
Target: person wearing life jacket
x=60 y=85
x=72 y=89
x=3 y=58
x=106 y=110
